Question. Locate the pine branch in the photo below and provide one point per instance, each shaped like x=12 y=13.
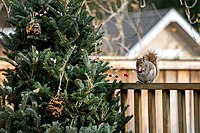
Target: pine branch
x=62 y=70
x=8 y=60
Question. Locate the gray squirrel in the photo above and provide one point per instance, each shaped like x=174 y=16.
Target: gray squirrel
x=146 y=68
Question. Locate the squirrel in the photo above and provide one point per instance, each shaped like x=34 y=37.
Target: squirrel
x=146 y=68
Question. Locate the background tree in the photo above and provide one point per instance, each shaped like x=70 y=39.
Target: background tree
x=56 y=86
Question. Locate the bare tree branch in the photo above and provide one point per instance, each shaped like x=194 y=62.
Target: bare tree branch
x=7 y=8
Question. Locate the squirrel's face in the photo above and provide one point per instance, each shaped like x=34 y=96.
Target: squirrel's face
x=140 y=65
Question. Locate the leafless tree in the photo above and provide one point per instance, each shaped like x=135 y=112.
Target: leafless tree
x=117 y=11
x=5 y=3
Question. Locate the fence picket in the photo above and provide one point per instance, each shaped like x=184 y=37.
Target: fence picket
x=166 y=111
x=124 y=94
x=152 y=111
x=196 y=111
x=137 y=111
x=182 y=111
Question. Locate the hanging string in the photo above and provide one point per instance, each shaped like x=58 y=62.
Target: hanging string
x=142 y=3
x=181 y=2
x=187 y=11
x=187 y=6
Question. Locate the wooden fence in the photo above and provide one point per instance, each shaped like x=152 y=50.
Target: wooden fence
x=159 y=116
x=171 y=71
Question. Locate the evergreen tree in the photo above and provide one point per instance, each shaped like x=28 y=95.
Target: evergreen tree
x=56 y=86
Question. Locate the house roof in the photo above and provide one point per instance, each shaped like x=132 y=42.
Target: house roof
x=140 y=28
x=171 y=17
x=134 y=25
x=146 y=20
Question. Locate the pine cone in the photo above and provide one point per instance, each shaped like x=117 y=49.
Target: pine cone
x=33 y=28
x=55 y=106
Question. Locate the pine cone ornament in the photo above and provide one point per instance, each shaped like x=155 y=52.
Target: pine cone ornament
x=33 y=28
x=55 y=106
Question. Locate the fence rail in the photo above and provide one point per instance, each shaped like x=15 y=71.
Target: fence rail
x=183 y=124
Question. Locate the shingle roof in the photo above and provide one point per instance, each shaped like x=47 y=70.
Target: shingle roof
x=135 y=25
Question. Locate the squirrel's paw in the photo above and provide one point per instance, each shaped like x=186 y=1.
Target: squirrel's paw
x=144 y=82
x=150 y=81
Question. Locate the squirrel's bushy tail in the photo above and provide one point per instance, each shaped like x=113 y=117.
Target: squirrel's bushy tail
x=152 y=57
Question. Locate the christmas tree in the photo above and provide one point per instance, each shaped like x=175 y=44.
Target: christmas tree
x=56 y=87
